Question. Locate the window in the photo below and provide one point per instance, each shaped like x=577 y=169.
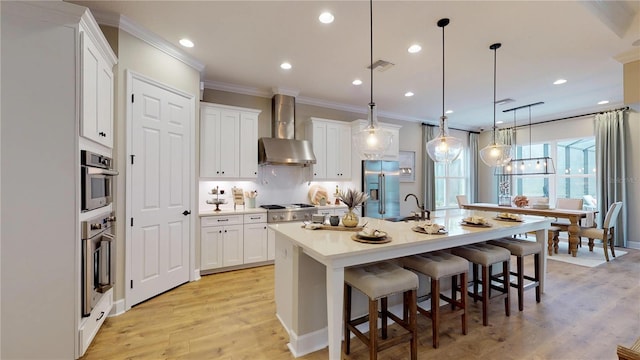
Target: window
x=451 y=180
x=575 y=175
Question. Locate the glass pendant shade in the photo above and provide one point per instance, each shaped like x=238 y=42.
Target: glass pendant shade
x=372 y=142
x=444 y=148
x=495 y=155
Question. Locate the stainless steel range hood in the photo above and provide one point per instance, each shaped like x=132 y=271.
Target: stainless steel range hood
x=283 y=148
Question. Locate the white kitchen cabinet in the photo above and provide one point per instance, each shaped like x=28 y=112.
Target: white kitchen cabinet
x=221 y=241
x=255 y=238
x=97 y=61
x=228 y=141
x=332 y=147
x=271 y=244
x=42 y=60
x=393 y=152
x=249 y=145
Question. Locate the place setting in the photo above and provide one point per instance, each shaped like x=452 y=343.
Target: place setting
x=504 y=216
x=476 y=221
x=430 y=228
x=371 y=236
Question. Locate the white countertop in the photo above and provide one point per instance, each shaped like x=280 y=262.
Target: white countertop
x=241 y=210
x=330 y=244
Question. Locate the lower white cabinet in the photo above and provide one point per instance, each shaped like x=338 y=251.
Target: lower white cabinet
x=255 y=238
x=91 y=324
x=232 y=240
x=221 y=241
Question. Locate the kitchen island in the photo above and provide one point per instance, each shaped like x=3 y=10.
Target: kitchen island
x=309 y=273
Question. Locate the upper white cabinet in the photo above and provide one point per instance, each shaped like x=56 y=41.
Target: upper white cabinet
x=228 y=141
x=97 y=61
x=332 y=147
x=393 y=152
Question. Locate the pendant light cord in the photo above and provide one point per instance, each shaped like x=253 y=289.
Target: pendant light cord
x=443 y=74
x=371 y=103
x=495 y=56
x=530 y=154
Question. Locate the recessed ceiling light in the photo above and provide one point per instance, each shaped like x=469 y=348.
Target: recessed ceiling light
x=186 y=43
x=285 y=65
x=449 y=112
x=603 y=102
x=559 y=81
x=499 y=122
x=408 y=94
x=414 y=48
x=357 y=82
x=326 y=17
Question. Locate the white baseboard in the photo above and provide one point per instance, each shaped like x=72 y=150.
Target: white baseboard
x=118 y=308
x=196 y=275
x=308 y=343
x=633 y=244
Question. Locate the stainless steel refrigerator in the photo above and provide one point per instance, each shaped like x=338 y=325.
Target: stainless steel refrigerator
x=381 y=181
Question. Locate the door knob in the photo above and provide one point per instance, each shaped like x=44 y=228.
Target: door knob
x=186 y=212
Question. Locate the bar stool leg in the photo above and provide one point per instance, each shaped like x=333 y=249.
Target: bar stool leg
x=347 y=318
x=520 y=284
x=536 y=274
x=507 y=286
x=435 y=311
x=475 y=283
x=373 y=329
x=463 y=301
x=485 y=294
x=383 y=314
x=413 y=323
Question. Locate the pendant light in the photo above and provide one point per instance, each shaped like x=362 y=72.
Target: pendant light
x=444 y=148
x=372 y=141
x=531 y=165
x=495 y=154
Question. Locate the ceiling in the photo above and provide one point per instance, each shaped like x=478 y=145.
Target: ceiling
x=242 y=44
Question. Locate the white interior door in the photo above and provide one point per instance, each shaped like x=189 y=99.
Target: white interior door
x=159 y=191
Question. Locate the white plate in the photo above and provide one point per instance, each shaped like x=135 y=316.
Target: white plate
x=378 y=235
x=421 y=230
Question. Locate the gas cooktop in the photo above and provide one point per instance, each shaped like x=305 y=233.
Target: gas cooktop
x=290 y=212
x=289 y=206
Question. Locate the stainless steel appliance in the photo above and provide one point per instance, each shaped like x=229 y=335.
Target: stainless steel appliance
x=98 y=259
x=381 y=181
x=291 y=212
x=97 y=180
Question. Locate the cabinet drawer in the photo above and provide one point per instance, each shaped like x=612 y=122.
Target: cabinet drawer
x=221 y=220
x=255 y=218
x=90 y=327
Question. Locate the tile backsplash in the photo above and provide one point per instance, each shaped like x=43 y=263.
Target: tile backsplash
x=275 y=185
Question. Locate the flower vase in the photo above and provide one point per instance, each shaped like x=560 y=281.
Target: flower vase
x=350 y=219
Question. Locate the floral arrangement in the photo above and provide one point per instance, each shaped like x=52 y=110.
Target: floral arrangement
x=352 y=198
x=521 y=201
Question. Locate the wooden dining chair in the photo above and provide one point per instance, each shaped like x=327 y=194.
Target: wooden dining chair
x=606 y=233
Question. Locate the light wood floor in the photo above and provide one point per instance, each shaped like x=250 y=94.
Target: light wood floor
x=584 y=314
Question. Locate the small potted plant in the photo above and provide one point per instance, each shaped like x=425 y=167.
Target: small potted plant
x=352 y=198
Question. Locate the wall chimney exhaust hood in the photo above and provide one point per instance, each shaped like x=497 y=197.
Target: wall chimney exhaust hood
x=283 y=148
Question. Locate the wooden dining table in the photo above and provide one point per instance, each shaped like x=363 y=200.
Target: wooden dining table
x=574 y=217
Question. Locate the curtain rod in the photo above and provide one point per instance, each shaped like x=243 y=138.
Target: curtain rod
x=625 y=108
x=469 y=131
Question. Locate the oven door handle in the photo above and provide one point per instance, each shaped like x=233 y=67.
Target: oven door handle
x=99 y=171
x=108 y=237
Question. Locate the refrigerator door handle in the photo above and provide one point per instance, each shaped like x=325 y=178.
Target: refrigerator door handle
x=383 y=193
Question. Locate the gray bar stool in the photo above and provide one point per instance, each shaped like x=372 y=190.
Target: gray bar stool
x=520 y=249
x=438 y=265
x=486 y=255
x=378 y=281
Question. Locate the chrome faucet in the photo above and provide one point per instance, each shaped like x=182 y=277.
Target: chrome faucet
x=422 y=209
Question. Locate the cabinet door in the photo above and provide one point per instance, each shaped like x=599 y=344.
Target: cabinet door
x=105 y=105
x=255 y=243
x=228 y=144
x=333 y=151
x=232 y=246
x=320 y=150
x=90 y=94
x=343 y=159
x=249 y=145
x=209 y=133
x=211 y=247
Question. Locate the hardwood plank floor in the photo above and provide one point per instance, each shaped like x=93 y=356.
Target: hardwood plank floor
x=584 y=314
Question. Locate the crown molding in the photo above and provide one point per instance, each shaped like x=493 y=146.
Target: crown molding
x=124 y=23
x=238 y=89
x=628 y=56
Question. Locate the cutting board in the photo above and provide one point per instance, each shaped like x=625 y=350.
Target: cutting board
x=316 y=192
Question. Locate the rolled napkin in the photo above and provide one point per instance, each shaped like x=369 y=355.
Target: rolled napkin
x=475 y=220
x=313 y=226
x=370 y=232
x=432 y=228
x=505 y=215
